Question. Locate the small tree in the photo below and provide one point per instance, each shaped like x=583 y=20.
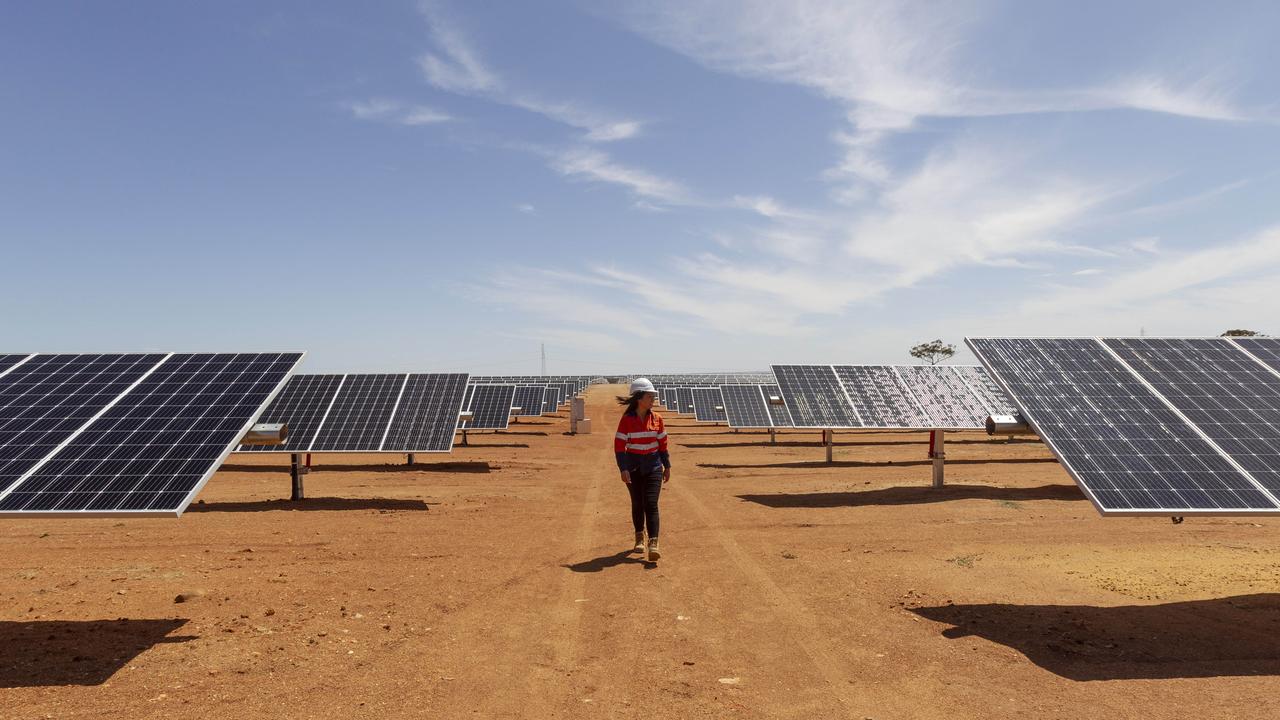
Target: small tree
x=1241 y=333
x=933 y=352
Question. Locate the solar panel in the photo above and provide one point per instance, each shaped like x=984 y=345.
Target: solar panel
x=946 y=399
x=529 y=399
x=942 y=397
x=1125 y=444
x=684 y=400
x=415 y=413
x=815 y=397
x=555 y=396
x=881 y=396
x=745 y=406
x=989 y=394
x=667 y=397
x=360 y=413
x=777 y=413
x=490 y=407
x=670 y=401
x=301 y=406
x=126 y=433
x=708 y=405
x=427 y=414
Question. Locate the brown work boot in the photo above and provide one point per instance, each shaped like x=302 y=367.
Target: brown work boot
x=654 y=553
x=639 y=543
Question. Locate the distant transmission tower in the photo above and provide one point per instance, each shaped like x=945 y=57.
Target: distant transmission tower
x=544 y=358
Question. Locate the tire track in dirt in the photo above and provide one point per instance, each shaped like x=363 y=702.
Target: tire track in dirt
x=568 y=611
x=530 y=634
x=797 y=620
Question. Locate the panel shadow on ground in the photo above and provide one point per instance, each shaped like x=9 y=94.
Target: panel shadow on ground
x=1232 y=636
x=43 y=653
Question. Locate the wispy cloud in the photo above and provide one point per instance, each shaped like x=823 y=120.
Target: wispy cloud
x=420 y=115
x=968 y=204
x=766 y=206
x=558 y=296
x=455 y=66
x=965 y=202
x=891 y=64
x=373 y=109
x=1168 y=207
x=1148 y=244
x=971 y=203
x=1250 y=258
x=384 y=110
x=594 y=165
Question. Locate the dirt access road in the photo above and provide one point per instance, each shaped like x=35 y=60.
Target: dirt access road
x=495 y=583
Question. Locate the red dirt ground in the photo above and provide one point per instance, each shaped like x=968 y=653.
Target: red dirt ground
x=495 y=583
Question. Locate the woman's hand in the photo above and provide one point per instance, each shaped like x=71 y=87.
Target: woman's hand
x=666 y=475
x=626 y=476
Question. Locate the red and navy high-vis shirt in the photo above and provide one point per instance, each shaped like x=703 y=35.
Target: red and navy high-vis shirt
x=641 y=438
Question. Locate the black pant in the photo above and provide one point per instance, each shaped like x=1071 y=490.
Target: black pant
x=646 y=483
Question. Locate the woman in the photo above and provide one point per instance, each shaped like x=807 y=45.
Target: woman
x=641 y=447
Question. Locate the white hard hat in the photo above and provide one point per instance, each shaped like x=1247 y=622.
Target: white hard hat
x=642 y=385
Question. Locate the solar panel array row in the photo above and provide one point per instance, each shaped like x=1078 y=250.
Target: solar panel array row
x=368 y=412
x=570 y=385
x=131 y=433
x=942 y=397
x=707 y=379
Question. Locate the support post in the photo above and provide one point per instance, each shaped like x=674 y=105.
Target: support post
x=295 y=474
x=409 y=459
x=937 y=453
x=773 y=436
x=464 y=437
x=828 y=439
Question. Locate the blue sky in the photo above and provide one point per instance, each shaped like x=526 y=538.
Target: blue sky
x=656 y=186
